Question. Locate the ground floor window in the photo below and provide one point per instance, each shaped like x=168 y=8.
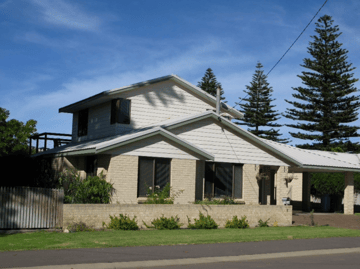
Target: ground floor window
x=91 y=165
x=223 y=179
x=154 y=173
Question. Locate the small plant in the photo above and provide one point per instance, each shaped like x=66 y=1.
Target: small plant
x=312 y=222
x=202 y=223
x=276 y=224
x=161 y=196
x=124 y=222
x=164 y=223
x=237 y=223
x=225 y=200
x=79 y=227
x=262 y=223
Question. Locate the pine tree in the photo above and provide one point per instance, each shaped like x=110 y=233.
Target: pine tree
x=258 y=112
x=327 y=101
x=209 y=84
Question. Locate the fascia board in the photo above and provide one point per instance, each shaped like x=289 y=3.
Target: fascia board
x=75 y=106
x=313 y=168
x=67 y=153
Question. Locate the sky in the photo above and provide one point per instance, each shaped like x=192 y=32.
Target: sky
x=55 y=53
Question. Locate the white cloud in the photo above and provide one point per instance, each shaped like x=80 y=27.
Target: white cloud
x=68 y=15
x=36 y=38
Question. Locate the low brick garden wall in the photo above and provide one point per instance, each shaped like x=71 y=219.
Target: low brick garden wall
x=94 y=214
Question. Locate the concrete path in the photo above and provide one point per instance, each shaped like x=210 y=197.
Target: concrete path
x=142 y=257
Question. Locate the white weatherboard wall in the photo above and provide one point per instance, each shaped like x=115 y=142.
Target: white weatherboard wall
x=224 y=145
x=156 y=146
x=149 y=105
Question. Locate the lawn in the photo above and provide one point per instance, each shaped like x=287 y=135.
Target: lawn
x=100 y=239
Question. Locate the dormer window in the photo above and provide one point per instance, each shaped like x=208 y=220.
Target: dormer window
x=120 y=111
x=83 y=122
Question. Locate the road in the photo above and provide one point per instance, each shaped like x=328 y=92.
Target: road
x=227 y=255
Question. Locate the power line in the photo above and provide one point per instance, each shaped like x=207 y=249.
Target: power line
x=297 y=37
x=288 y=48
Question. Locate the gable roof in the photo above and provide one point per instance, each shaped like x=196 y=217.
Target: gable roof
x=108 y=95
x=295 y=157
x=102 y=145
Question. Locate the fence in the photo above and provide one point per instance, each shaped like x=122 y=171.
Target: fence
x=30 y=208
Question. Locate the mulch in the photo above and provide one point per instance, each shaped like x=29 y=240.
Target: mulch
x=329 y=219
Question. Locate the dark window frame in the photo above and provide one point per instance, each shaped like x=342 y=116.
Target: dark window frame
x=117 y=107
x=154 y=161
x=212 y=179
x=83 y=122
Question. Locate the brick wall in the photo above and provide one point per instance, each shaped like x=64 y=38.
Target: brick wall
x=94 y=214
x=183 y=175
x=123 y=173
x=250 y=184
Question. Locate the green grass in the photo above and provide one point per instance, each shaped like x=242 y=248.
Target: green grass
x=99 y=239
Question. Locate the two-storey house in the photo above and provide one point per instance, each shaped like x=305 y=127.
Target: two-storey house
x=166 y=130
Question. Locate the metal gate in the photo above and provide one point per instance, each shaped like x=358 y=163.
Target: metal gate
x=30 y=208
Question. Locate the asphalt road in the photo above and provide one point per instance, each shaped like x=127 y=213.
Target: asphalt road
x=51 y=258
x=337 y=261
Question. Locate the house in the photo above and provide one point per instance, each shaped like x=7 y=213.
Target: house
x=166 y=130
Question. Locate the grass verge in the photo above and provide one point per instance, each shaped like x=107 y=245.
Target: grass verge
x=54 y=240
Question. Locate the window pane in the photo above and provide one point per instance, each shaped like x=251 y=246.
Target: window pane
x=209 y=178
x=124 y=112
x=223 y=179
x=162 y=174
x=238 y=184
x=145 y=175
x=82 y=122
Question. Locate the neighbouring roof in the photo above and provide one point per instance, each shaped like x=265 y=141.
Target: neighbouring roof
x=108 y=95
x=295 y=157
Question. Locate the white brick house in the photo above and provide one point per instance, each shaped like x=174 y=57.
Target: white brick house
x=165 y=130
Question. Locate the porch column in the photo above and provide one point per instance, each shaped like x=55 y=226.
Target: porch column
x=306 y=205
x=349 y=193
x=281 y=189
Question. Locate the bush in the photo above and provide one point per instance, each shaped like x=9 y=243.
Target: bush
x=164 y=223
x=79 y=227
x=262 y=223
x=203 y=223
x=92 y=190
x=237 y=223
x=122 y=223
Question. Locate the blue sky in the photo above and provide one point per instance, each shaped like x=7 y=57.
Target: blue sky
x=54 y=53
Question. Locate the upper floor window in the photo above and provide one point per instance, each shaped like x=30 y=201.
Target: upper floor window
x=120 y=111
x=83 y=122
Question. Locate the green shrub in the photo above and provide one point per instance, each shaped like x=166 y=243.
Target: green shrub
x=164 y=223
x=92 y=190
x=122 y=223
x=237 y=223
x=202 y=223
x=79 y=227
x=262 y=223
